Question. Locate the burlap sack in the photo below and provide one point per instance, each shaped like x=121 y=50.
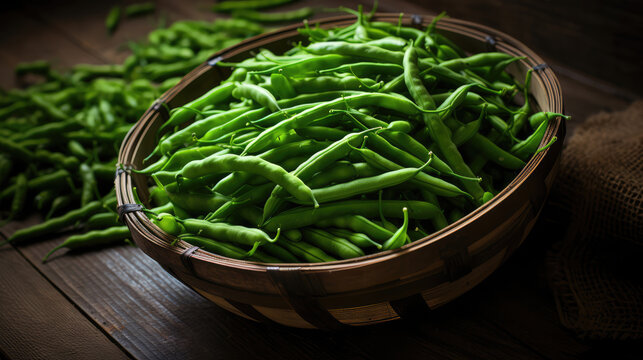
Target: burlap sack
x=595 y=271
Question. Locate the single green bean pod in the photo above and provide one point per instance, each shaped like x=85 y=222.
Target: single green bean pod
x=275 y=17
x=359 y=239
x=279 y=252
x=112 y=235
x=331 y=244
x=90 y=187
x=44 y=199
x=399 y=237
x=218 y=247
x=19 y=196
x=256 y=93
x=183 y=114
x=113 y=18
x=102 y=221
x=52 y=225
x=358 y=224
x=538 y=118
x=305 y=216
x=306 y=252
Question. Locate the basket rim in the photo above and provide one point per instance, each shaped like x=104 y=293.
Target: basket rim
x=503 y=43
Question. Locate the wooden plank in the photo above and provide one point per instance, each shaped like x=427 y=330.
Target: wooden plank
x=38 y=322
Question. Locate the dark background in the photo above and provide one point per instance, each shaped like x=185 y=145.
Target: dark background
x=117 y=302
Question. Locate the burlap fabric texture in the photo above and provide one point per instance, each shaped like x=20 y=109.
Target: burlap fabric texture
x=595 y=270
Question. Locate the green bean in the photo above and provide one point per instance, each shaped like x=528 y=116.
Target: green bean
x=328 y=83
x=275 y=155
x=169 y=223
x=293 y=15
x=139 y=9
x=538 y=118
x=494 y=153
x=55 y=224
x=358 y=239
x=41 y=67
x=77 y=149
x=521 y=116
x=331 y=244
x=477 y=60
x=182 y=115
x=396 y=84
x=89 y=189
x=440 y=134
x=465 y=132
x=217 y=247
x=180 y=159
x=56 y=159
x=292 y=234
x=365 y=185
x=227 y=232
x=195 y=204
x=422 y=180
x=262 y=117
x=282 y=86
x=529 y=146
x=307 y=66
x=19 y=196
x=256 y=93
x=342 y=171
x=44 y=199
x=366 y=69
x=399 y=237
x=321 y=133
x=356 y=50
x=47 y=181
x=305 y=216
x=59 y=203
x=389 y=43
x=251 y=164
x=102 y=221
x=396 y=103
x=226 y=6
x=317 y=162
x=50 y=129
x=93 y=238
x=14 y=150
x=305 y=251
x=280 y=253
x=113 y=18
x=198 y=129
x=439 y=221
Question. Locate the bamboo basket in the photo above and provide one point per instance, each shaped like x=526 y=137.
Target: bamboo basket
x=405 y=282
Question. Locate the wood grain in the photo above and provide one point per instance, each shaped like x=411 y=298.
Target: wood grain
x=37 y=322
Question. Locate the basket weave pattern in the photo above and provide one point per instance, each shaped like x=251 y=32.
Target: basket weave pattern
x=414 y=279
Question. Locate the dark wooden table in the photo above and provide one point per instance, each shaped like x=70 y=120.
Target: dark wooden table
x=118 y=303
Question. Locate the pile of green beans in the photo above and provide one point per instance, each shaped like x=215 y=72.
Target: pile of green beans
x=367 y=138
x=59 y=137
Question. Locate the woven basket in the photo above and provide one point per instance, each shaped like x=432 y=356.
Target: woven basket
x=416 y=278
